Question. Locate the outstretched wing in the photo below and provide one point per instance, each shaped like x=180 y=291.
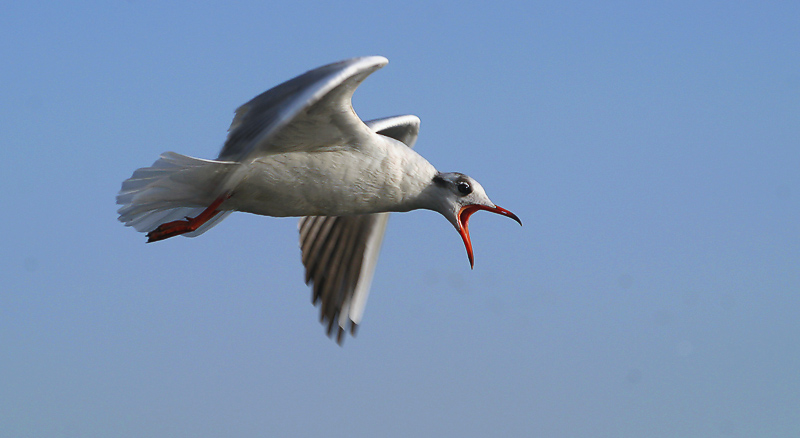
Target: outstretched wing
x=402 y=128
x=310 y=111
x=340 y=252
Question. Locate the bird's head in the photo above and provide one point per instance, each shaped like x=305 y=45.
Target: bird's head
x=457 y=196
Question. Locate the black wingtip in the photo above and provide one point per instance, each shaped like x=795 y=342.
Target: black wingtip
x=340 y=337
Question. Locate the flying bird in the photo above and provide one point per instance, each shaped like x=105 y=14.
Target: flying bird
x=299 y=149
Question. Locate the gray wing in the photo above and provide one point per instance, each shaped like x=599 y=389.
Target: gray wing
x=310 y=111
x=403 y=128
x=340 y=252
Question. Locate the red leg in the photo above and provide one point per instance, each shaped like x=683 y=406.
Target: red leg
x=176 y=228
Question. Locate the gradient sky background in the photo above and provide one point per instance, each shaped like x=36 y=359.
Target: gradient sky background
x=652 y=152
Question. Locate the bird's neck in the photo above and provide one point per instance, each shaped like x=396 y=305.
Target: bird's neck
x=414 y=179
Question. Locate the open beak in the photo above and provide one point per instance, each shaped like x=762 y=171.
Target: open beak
x=463 y=224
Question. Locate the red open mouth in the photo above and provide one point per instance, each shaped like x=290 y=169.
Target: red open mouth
x=463 y=224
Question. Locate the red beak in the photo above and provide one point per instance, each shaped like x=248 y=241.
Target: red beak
x=463 y=224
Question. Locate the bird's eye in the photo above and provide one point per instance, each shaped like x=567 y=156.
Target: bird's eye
x=464 y=188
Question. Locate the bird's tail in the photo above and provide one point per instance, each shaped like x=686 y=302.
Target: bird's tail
x=173 y=188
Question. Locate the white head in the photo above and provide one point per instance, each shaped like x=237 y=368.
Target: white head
x=457 y=196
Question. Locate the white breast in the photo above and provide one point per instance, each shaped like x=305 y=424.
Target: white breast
x=386 y=176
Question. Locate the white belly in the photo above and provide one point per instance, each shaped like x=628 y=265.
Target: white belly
x=331 y=183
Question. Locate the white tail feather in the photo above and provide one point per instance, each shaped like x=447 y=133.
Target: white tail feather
x=173 y=188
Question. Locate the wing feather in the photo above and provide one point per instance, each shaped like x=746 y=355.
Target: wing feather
x=340 y=252
x=278 y=119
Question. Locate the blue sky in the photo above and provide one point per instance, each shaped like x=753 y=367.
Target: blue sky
x=651 y=151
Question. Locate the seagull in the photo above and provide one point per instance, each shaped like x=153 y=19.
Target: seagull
x=299 y=149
